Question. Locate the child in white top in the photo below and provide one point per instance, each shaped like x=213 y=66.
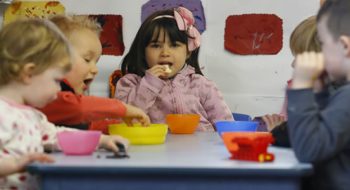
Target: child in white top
x=34 y=57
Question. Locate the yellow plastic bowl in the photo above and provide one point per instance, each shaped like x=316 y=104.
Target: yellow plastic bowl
x=140 y=135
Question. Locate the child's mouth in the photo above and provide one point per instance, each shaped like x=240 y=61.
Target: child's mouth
x=166 y=63
x=87 y=83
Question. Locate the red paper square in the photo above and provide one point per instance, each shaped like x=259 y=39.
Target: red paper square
x=112 y=34
x=253 y=34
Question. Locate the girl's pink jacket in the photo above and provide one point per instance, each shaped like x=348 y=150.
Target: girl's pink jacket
x=187 y=92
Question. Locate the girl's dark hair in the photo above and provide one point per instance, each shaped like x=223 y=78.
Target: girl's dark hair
x=135 y=62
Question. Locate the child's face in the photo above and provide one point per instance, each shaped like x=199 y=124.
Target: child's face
x=162 y=52
x=88 y=50
x=43 y=88
x=332 y=50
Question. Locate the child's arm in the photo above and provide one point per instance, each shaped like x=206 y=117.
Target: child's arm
x=273 y=120
x=109 y=142
x=213 y=102
x=280 y=133
x=71 y=109
x=133 y=113
x=141 y=92
x=316 y=135
x=11 y=165
x=9 y=146
x=49 y=132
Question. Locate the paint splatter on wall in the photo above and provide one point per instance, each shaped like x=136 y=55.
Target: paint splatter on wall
x=32 y=9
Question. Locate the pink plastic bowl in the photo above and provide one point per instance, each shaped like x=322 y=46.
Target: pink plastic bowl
x=78 y=142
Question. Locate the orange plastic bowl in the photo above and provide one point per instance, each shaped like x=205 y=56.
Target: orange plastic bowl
x=182 y=123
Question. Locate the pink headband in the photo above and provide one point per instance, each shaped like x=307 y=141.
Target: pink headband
x=185 y=22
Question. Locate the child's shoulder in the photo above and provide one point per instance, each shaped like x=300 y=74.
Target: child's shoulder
x=13 y=112
x=343 y=91
x=201 y=80
x=9 y=106
x=130 y=78
x=190 y=72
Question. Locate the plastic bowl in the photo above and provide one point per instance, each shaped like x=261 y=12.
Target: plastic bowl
x=78 y=142
x=182 y=123
x=250 y=146
x=140 y=135
x=236 y=126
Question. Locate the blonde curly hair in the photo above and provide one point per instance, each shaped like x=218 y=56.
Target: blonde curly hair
x=36 y=41
x=69 y=24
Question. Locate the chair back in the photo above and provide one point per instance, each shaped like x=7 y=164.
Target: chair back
x=241 y=117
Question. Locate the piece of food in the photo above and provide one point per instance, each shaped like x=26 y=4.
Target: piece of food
x=167 y=69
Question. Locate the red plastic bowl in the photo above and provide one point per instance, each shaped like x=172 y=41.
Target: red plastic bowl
x=78 y=142
x=250 y=146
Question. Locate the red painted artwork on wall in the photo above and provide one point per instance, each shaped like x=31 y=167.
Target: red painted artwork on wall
x=112 y=34
x=252 y=34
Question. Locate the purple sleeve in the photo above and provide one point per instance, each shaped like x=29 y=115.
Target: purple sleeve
x=214 y=103
x=137 y=91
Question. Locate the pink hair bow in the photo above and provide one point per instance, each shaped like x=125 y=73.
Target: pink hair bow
x=185 y=21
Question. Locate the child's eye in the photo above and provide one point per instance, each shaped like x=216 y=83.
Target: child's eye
x=177 y=44
x=87 y=60
x=154 y=45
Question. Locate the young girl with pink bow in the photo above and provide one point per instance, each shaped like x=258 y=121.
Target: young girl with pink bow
x=162 y=74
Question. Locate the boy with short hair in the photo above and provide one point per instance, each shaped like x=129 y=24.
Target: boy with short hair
x=320 y=131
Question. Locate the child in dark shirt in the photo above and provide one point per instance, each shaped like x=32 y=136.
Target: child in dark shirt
x=320 y=131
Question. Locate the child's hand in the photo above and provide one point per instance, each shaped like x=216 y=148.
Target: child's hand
x=109 y=142
x=273 y=120
x=11 y=165
x=29 y=158
x=161 y=71
x=308 y=68
x=133 y=112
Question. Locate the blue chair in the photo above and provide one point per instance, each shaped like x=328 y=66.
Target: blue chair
x=241 y=117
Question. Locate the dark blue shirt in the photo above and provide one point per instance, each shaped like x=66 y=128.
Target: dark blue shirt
x=320 y=134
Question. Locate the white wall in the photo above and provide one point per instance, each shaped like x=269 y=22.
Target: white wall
x=250 y=84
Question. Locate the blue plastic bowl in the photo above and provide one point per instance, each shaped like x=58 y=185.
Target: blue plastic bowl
x=235 y=126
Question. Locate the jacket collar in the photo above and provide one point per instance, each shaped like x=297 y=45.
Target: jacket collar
x=185 y=72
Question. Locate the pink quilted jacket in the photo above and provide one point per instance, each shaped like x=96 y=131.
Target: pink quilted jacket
x=187 y=92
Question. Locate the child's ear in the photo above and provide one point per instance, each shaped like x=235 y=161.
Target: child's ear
x=27 y=73
x=345 y=40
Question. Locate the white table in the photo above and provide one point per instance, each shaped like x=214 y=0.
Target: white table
x=198 y=161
